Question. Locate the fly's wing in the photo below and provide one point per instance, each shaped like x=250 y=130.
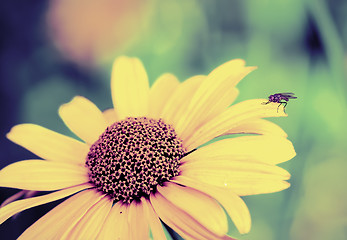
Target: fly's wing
x=288 y=95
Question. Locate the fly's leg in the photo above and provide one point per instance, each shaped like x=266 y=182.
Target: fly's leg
x=284 y=106
x=279 y=105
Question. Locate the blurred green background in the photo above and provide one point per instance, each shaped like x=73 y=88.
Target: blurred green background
x=52 y=50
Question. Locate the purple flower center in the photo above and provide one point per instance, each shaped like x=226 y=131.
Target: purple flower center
x=133 y=156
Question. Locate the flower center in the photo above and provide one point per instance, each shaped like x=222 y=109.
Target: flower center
x=133 y=156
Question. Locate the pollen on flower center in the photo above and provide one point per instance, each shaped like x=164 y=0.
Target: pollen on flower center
x=133 y=156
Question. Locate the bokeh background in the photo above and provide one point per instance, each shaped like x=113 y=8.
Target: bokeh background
x=52 y=50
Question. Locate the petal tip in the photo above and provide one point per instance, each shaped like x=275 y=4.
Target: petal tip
x=15 y=130
x=63 y=106
x=252 y=68
x=124 y=59
x=239 y=60
x=9 y=134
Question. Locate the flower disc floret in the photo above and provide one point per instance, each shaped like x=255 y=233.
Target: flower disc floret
x=133 y=156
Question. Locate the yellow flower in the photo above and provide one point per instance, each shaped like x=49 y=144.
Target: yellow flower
x=142 y=161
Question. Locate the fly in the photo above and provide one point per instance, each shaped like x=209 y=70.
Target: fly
x=281 y=98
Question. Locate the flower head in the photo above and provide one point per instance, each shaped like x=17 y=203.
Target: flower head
x=145 y=160
x=133 y=156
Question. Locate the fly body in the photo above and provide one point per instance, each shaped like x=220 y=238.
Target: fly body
x=281 y=98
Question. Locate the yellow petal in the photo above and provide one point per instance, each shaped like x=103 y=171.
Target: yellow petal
x=265 y=148
x=177 y=104
x=183 y=224
x=91 y=223
x=21 y=205
x=153 y=219
x=130 y=89
x=110 y=116
x=48 y=144
x=160 y=92
x=222 y=103
x=228 y=169
x=247 y=187
x=83 y=118
x=232 y=203
x=54 y=224
x=219 y=106
x=231 y=118
x=180 y=221
x=258 y=126
x=137 y=222
x=41 y=175
x=232 y=179
x=115 y=225
x=243 y=177
x=212 y=96
x=198 y=205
